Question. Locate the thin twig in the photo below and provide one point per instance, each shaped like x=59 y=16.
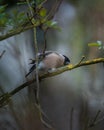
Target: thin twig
x=41 y=113
x=54 y=9
x=30 y=8
x=37 y=74
x=95 y=119
x=45 y=43
x=83 y=57
x=36 y=52
x=37 y=89
x=2 y=53
x=99 y=121
x=42 y=3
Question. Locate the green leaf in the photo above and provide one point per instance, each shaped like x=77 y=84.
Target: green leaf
x=42 y=12
x=51 y=23
x=98 y=44
x=21 y=15
x=93 y=44
x=3 y=19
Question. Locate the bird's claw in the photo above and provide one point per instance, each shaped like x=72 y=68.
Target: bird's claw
x=32 y=61
x=50 y=70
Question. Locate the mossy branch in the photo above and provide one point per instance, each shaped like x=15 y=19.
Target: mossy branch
x=16 y=31
x=5 y=97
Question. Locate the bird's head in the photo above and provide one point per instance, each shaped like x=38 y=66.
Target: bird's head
x=66 y=60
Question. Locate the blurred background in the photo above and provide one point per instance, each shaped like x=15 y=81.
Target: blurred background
x=71 y=100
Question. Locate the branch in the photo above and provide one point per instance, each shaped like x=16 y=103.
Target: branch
x=4 y=98
x=71 y=67
x=36 y=50
x=37 y=87
x=45 y=43
x=17 y=31
x=54 y=9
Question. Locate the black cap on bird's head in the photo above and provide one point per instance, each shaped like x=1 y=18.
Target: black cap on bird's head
x=66 y=61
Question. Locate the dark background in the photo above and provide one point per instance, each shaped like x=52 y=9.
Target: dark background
x=70 y=100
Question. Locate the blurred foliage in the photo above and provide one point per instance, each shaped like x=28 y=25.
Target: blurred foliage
x=41 y=15
x=15 y=18
x=3 y=15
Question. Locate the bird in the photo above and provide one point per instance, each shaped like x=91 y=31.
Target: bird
x=48 y=60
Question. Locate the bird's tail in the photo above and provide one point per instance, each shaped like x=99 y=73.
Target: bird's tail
x=31 y=70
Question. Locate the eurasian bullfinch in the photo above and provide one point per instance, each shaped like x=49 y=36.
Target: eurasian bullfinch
x=49 y=60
